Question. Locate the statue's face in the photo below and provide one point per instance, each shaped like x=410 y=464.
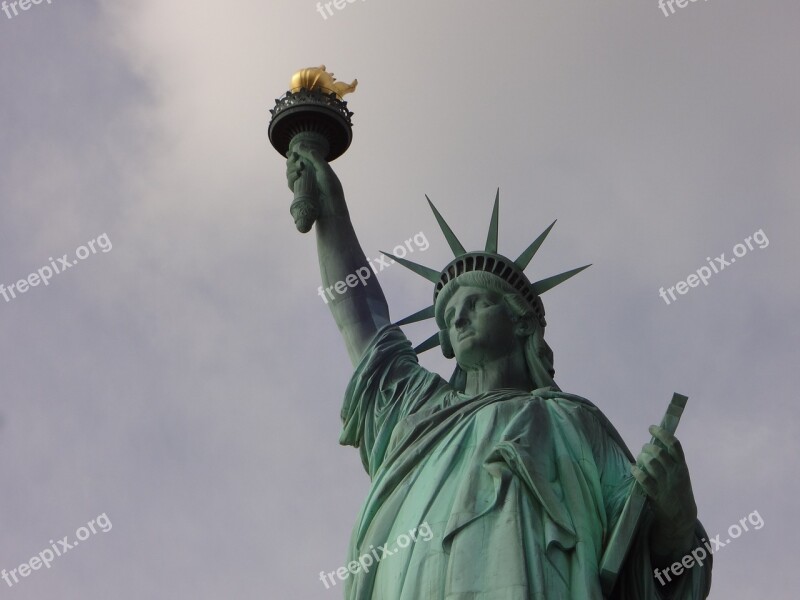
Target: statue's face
x=480 y=327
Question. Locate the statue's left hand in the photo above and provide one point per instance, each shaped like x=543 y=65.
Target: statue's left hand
x=664 y=476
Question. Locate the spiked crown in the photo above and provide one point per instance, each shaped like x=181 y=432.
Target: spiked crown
x=488 y=261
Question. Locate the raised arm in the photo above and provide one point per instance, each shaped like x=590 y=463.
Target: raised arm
x=361 y=310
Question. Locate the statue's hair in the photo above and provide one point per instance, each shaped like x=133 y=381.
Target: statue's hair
x=538 y=354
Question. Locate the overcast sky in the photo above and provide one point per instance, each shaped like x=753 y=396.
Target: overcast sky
x=186 y=382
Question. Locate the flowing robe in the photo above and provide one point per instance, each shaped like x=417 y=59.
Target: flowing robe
x=518 y=491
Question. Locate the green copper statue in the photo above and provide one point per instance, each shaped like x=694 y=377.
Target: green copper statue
x=519 y=484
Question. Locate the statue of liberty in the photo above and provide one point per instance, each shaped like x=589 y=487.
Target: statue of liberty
x=519 y=483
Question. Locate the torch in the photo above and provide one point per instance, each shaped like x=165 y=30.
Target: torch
x=311 y=113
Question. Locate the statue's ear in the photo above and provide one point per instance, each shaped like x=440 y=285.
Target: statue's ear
x=525 y=327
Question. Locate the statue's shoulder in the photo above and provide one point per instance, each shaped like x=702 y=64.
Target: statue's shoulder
x=565 y=399
x=587 y=409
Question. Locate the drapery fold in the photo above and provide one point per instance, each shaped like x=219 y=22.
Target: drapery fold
x=519 y=489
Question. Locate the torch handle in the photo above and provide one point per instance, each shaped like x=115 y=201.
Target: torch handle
x=305 y=207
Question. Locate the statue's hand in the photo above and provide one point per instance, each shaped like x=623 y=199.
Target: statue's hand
x=664 y=476
x=331 y=195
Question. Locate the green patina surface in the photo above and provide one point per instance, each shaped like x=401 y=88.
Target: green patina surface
x=519 y=484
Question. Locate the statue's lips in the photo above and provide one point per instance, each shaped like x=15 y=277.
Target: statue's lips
x=465 y=333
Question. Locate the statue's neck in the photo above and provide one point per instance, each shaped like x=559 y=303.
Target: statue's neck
x=507 y=372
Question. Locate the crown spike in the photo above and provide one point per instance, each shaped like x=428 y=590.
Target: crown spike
x=431 y=342
x=452 y=240
x=426 y=272
x=540 y=287
x=491 y=238
x=526 y=256
x=420 y=315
